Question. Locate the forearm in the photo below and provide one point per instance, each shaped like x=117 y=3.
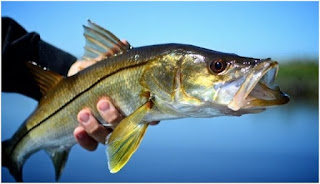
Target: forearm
x=18 y=47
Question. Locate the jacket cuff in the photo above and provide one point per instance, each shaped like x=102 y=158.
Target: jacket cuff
x=54 y=58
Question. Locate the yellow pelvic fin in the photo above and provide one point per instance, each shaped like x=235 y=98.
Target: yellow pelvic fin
x=126 y=138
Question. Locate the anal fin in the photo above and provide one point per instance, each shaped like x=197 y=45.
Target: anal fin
x=59 y=158
x=126 y=138
x=14 y=167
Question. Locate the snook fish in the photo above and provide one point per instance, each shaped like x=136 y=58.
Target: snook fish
x=146 y=84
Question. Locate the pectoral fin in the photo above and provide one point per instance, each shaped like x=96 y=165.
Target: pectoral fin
x=59 y=158
x=126 y=138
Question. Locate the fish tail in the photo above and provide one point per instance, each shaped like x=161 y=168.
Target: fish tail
x=8 y=161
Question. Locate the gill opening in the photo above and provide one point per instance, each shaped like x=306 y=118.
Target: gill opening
x=179 y=94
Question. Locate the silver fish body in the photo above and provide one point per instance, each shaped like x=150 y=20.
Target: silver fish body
x=146 y=84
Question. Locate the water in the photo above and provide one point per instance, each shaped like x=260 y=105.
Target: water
x=278 y=145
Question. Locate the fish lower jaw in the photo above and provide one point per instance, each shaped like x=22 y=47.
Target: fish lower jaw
x=258 y=89
x=264 y=95
x=253 y=102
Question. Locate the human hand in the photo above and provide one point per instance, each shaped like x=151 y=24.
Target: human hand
x=82 y=64
x=90 y=132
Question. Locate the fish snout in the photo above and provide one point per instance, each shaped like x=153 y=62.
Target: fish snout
x=258 y=89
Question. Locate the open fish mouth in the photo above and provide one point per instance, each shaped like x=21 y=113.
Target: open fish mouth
x=258 y=89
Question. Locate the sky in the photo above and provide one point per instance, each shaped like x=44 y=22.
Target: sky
x=280 y=30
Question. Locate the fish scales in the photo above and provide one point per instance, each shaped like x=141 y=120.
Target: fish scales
x=150 y=83
x=62 y=104
x=64 y=121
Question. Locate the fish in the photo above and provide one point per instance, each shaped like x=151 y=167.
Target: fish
x=146 y=84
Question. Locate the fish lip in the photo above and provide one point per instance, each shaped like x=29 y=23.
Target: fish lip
x=263 y=75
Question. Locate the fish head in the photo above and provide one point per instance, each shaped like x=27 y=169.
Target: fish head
x=236 y=85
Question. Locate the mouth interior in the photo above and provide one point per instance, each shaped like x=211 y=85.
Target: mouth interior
x=265 y=89
x=258 y=89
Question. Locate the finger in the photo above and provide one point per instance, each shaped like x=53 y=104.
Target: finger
x=109 y=53
x=108 y=112
x=85 y=64
x=92 y=127
x=125 y=42
x=79 y=65
x=115 y=49
x=74 y=68
x=84 y=139
x=154 y=122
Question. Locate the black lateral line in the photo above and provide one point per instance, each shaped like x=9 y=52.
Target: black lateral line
x=75 y=97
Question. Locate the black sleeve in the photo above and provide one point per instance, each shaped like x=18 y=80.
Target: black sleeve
x=18 y=47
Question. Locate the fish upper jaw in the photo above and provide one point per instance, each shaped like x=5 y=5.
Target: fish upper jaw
x=257 y=90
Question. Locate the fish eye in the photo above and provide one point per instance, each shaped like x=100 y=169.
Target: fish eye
x=217 y=66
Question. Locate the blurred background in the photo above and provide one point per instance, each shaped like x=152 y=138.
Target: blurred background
x=278 y=145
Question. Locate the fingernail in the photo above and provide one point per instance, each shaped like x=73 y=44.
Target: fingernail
x=104 y=106
x=84 y=117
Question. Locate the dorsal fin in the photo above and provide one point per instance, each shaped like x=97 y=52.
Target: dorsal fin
x=45 y=78
x=100 y=41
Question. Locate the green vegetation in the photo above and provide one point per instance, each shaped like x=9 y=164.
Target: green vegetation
x=299 y=79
